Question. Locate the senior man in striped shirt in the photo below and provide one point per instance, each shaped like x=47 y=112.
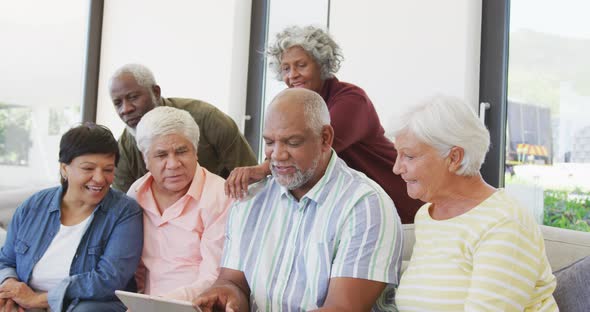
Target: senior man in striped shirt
x=318 y=235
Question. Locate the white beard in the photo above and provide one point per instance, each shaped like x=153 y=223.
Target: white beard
x=297 y=179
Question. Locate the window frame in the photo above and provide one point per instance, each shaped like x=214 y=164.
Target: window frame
x=493 y=84
x=92 y=61
x=256 y=74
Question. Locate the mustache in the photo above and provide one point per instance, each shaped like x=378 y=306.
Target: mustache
x=281 y=164
x=278 y=164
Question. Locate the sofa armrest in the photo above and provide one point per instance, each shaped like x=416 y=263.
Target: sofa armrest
x=564 y=247
x=11 y=199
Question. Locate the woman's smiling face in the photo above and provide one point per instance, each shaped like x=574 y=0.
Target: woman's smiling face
x=300 y=70
x=421 y=166
x=89 y=177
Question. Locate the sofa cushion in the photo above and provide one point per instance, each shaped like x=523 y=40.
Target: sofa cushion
x=573 y=286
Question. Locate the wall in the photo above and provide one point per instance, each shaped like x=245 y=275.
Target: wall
x=402 y=51
x=196 y=49
x=398 y=51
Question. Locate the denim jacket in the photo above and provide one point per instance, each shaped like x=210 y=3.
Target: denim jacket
x=106 y=258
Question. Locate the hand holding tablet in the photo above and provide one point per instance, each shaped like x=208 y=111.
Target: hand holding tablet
x=146 y=303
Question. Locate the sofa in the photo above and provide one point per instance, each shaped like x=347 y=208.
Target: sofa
x=9 y=201
x=567 y=252
x=565 y=249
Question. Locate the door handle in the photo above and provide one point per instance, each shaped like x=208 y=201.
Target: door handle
x=483 y=106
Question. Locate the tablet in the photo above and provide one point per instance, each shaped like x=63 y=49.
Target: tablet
x=146 y=303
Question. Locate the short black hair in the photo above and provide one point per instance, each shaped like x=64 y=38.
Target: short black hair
x=88 y=138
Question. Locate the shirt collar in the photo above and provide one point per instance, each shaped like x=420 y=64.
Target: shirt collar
x=196 y=189
x=55 y=204
x=147 y=182
x=318 y=190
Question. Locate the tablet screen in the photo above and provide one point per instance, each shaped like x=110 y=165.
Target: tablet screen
x=146 y=303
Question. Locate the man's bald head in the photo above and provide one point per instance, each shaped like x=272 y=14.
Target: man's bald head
x=304 y=104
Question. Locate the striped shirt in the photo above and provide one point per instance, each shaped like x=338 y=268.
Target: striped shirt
x=345 y=226
x=491 y=258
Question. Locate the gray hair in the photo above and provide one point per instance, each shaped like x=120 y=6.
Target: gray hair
x=314 y=41
x=164 y=120
x=143 y=75
x=444 y=122
x=315 y=110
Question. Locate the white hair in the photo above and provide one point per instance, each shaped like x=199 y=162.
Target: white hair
x=315 y=110
x=444 y=122
x=315 y=41
x=142 y=75
x=164 y=120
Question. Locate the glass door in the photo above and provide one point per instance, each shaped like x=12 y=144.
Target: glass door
x=547 y=156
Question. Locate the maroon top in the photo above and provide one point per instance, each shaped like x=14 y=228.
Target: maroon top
x=359 y=139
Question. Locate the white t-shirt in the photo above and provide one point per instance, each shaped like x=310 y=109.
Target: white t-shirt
x=55 y=264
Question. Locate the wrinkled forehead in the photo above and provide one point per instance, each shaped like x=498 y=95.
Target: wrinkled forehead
x=406 y=140
x=124 y=83
x=284 y=127
x=295 y=53
x=103 y=159
x=282 y=114
x=171 y=141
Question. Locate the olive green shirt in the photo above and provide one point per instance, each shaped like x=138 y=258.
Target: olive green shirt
x=221 y=145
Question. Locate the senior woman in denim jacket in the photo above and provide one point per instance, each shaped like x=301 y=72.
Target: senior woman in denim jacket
x=70 y=247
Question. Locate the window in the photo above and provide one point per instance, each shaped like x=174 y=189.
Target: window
x=41 y=86
x=546 y=154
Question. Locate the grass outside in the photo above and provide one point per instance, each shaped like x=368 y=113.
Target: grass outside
x=568 y=210
x=566 y=207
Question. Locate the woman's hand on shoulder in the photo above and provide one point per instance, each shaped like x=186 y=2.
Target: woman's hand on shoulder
x=236 y=184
